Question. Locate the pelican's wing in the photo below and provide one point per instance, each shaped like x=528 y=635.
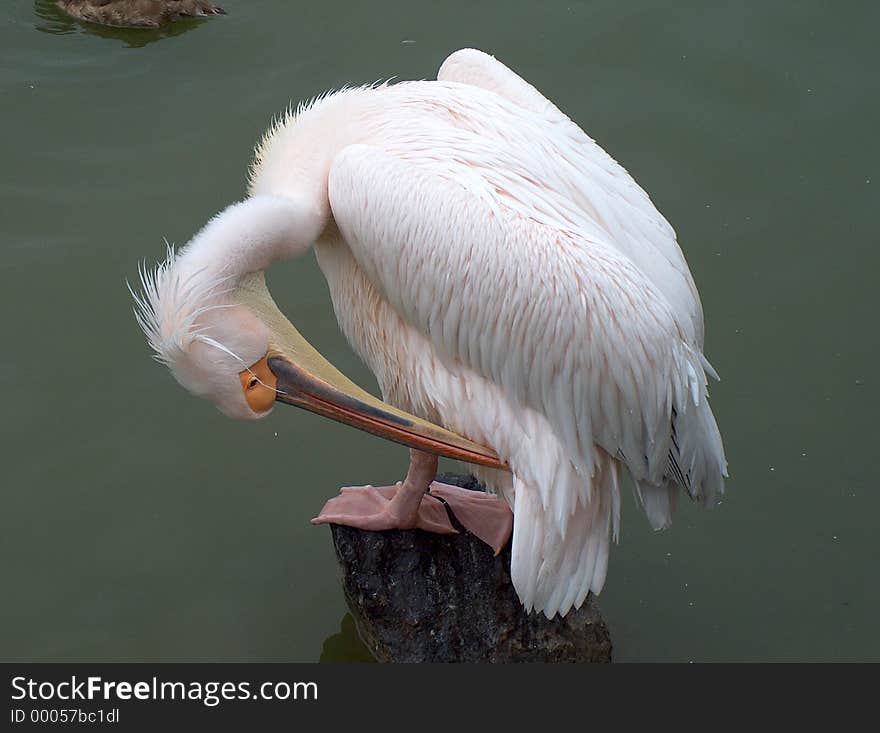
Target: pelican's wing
x=479 y=69
x=565 y=326
x=605 y=192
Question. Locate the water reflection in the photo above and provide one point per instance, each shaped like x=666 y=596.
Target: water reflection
x=51 y=19
x=346 y=646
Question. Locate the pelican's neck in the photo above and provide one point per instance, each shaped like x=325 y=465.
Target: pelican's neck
x=289 y=205
x=251 y=235
x=296 y=154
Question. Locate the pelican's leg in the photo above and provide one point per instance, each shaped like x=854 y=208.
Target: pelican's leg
x=403 y=506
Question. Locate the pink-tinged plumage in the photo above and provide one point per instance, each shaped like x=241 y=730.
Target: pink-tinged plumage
x=503 y=276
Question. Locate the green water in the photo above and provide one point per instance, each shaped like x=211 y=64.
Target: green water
x=137 y=523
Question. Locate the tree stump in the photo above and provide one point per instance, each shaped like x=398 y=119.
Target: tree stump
x=421 y=597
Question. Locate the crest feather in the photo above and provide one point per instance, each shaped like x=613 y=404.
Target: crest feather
x=168 y=307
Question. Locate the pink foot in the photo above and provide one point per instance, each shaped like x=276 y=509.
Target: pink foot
x=385 y=507
x=483 y=515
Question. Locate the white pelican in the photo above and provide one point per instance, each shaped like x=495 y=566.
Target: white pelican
x=501 y=276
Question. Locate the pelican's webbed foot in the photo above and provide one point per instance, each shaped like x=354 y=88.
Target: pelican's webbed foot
x=403 y=506
x=416 y=504
x=483 y=515
x=385 y=507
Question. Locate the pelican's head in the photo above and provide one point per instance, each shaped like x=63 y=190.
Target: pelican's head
x=215 y=348
x=208 y=316
x=214 y=345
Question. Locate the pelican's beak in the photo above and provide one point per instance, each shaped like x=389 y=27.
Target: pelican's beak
x=326 y=395
x=302 y=377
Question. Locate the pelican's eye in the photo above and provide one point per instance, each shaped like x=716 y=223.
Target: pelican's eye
x=258 y=384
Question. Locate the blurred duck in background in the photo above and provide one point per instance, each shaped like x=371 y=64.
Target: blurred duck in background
x=137 y=13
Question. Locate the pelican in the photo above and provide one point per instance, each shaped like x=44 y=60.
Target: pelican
x=523 y=306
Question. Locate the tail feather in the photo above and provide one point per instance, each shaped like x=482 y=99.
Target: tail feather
x=553 y=570
x=658 y=502
x=695 y=463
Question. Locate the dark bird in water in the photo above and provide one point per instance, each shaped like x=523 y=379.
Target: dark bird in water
x=137 y=13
